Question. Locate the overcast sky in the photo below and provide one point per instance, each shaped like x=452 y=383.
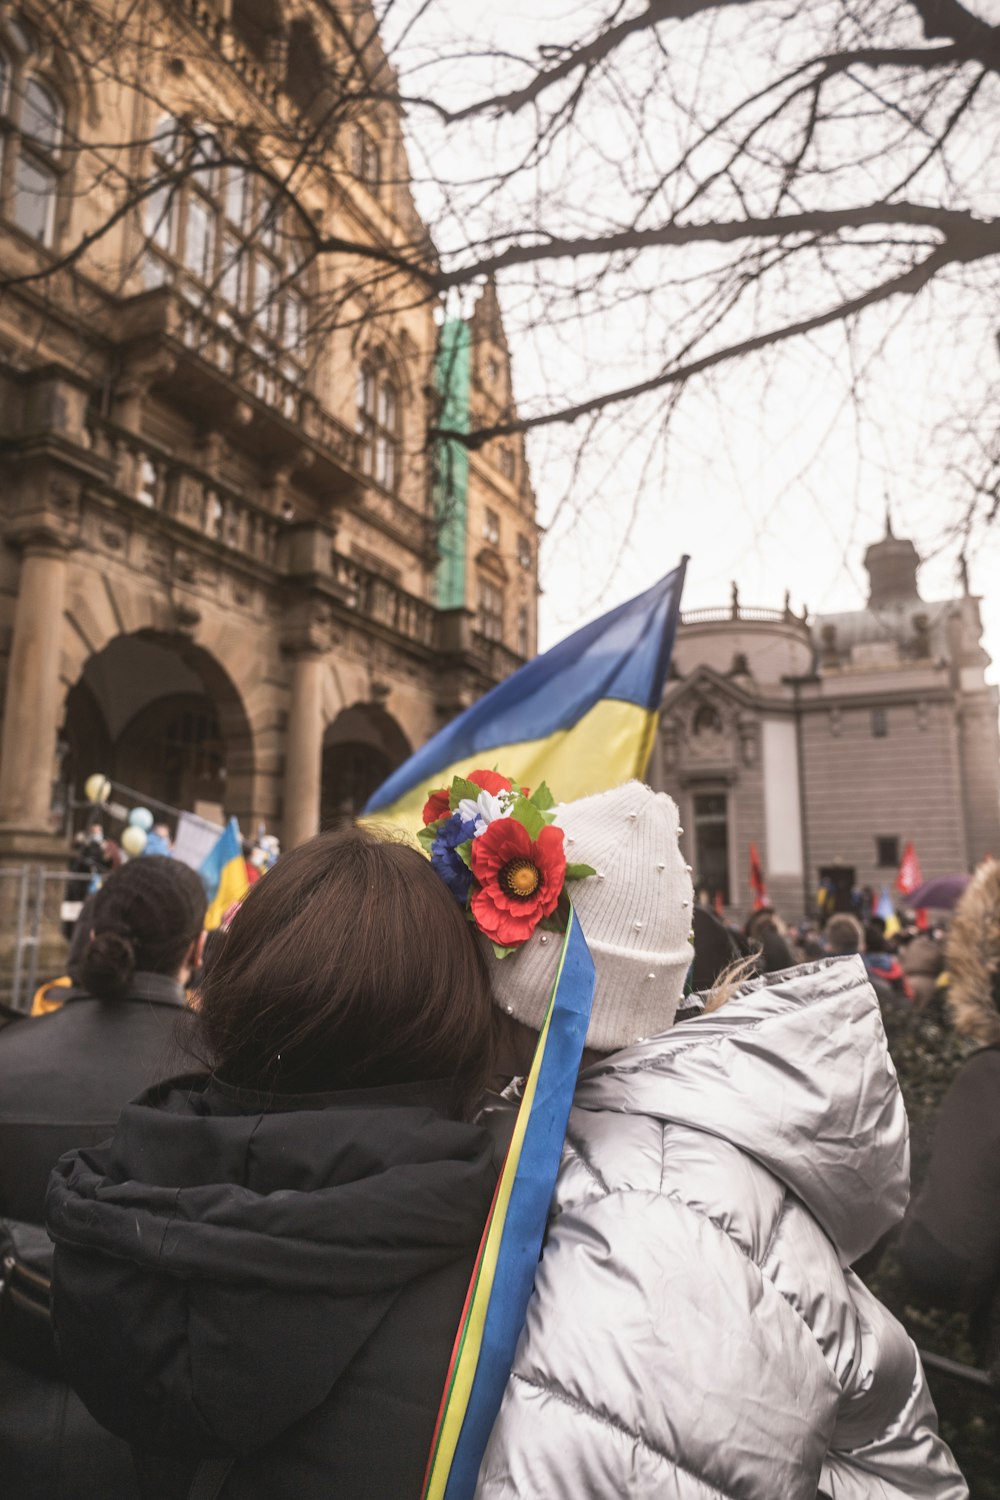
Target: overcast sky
x=773 y=474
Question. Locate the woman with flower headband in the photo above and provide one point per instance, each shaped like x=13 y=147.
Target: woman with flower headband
x=694 y=1328
x=259 y=1277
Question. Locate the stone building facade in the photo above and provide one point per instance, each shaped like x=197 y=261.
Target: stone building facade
x=831 y=743
x=219 y=577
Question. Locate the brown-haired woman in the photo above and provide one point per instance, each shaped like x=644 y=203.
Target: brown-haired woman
x=262 y=1273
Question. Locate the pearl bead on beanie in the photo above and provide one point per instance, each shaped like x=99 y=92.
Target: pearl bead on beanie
x=635 y=914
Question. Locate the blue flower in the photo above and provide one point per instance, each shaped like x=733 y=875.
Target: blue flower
x=446 y=860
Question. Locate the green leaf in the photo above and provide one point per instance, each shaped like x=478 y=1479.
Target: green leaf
x=579 y=872
x=426 y=837
x=543 y=798
x=528 y=816
x=462 y=789
x=464 y=852
x=501 y=951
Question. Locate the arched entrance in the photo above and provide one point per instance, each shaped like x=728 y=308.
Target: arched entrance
x=362 y=746
x=159 y=714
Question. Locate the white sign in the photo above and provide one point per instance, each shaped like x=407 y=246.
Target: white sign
x=196 y=837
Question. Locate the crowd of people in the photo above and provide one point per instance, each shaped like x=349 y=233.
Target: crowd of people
x=266 y=1169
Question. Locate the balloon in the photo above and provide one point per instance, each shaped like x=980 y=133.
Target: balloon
x=97 y=788
x=141 y=817
x=134 y=839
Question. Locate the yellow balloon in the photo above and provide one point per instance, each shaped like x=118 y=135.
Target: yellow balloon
x=134 y=839
x=97 y=788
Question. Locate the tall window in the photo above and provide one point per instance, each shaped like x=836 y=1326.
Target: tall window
x=711 y=843
x=507 y=462
x=32 y=132
x=366 y=162
x=219 y=233
x=378 y=423
x=490 y=610
x=523 y=636
x=880 y=723
x=491 y=527
x=524 y=556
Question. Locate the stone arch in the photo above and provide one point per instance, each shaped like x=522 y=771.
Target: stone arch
x=167 y=719
x=362 y=745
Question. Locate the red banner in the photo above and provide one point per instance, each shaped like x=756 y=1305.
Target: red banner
x=909 y=877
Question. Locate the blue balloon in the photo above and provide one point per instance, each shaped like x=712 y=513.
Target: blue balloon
x=141 y=817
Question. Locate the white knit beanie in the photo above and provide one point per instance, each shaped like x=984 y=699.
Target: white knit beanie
x=635 y=914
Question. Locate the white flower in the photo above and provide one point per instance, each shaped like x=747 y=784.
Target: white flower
x=486 y=809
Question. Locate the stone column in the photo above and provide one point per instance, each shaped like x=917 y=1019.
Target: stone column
x=304 y=748
x=33 y=698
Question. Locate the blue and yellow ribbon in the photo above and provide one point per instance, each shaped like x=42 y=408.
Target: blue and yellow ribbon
x=504 y=1273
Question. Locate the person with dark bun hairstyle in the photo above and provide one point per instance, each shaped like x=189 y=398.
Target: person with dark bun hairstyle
x=259 y=1278
x=64 y=1078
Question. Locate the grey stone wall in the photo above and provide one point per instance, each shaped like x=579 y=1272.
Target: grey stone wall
x=907 y=784
x=980 y=759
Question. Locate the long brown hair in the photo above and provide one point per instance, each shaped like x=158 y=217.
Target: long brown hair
x=350 y=965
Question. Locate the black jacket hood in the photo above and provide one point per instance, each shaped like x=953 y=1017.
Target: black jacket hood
x=219 y=1265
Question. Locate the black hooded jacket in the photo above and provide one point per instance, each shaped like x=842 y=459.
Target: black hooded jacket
x=278 y=1279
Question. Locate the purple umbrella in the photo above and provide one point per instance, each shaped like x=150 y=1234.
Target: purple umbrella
x=943 y=892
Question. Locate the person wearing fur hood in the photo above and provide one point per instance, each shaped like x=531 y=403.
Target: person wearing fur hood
x=950 y=1245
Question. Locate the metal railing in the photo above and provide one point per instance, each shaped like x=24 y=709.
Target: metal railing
x=32 y=948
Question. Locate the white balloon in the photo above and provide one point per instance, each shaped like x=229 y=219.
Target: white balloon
x=97 y=788
x=134 y=839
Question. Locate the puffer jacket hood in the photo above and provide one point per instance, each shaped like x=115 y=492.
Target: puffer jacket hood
x=801 y=1059
x=219 y=1266
x=974 y=958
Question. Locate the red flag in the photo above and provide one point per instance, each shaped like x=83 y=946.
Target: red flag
x=909 y=878
x=757 y=882
x=719 y=909
x=923 y=921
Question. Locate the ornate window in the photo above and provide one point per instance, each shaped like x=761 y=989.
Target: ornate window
x=524 y=553
x=491 y=610
x=491 y=527
x=377 y=422
x=32 y=132
x=219 y=234
x=507 y=462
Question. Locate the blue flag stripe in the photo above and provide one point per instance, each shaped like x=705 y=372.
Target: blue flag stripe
x=622 y=655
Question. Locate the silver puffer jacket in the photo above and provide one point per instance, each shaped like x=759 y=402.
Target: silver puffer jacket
x=695 y=1332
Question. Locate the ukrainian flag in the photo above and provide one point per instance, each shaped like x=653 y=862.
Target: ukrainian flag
x=224 y=873
x=581 y=717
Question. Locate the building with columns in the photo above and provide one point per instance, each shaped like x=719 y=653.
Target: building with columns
x=832 y=742
x=220 y=570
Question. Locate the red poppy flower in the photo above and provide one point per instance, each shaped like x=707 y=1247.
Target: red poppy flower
x=520 y=879
x=436 y=806
x=490 y=781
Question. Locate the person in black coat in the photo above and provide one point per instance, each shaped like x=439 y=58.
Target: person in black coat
x=64 y=1077
x=950 y=1244
x=258 y=1281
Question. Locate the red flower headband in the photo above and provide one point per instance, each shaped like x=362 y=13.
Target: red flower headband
x=497 y=850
